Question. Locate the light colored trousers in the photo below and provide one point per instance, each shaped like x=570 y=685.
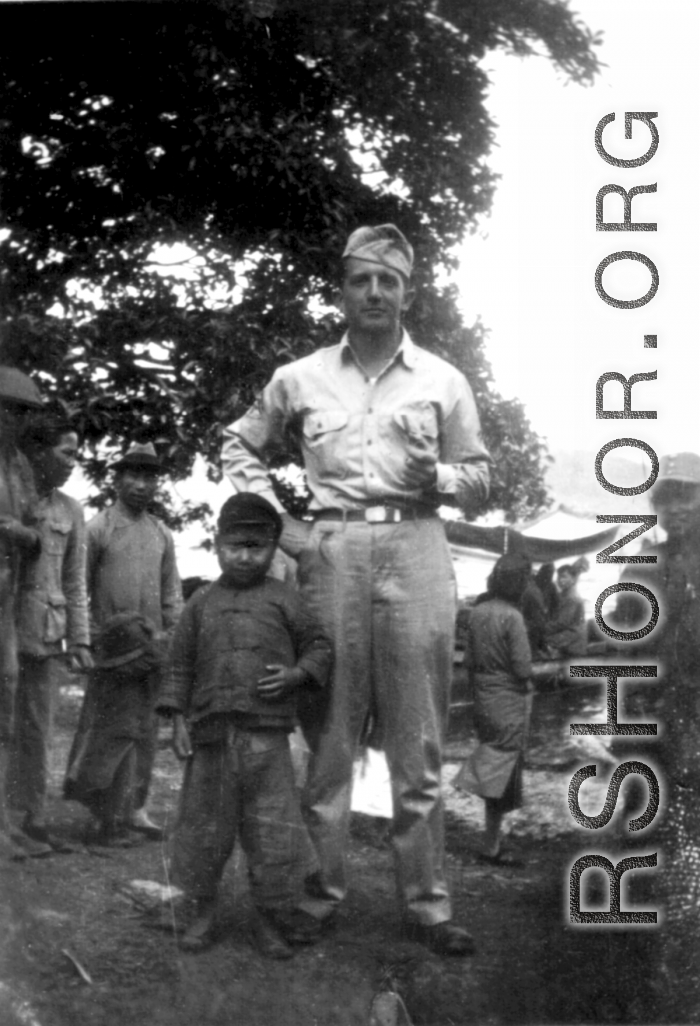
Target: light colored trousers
x=386 y=595
x=35 y=704
x=9 y=666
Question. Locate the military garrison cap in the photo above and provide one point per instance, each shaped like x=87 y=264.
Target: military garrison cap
x=381 y=244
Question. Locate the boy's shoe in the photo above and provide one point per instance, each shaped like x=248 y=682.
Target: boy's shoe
x=142 y=822
x=295 y=925
x=442 y=938
x=202 y=931
x=267 y=938
x=112 y=835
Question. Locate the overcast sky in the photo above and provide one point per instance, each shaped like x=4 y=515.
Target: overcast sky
x=529 y=273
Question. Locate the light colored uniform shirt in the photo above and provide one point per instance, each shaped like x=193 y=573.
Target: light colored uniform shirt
x=353 y=430
x=131 y=567
x=52 y=598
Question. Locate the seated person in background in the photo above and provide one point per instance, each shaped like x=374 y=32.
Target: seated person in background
x=242 y=651
x=566 y=632
x=116 y=716
x=544 y=579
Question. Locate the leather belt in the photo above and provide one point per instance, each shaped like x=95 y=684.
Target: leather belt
x=377 y=514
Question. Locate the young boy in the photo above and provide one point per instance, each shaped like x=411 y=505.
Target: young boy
x=241 y=652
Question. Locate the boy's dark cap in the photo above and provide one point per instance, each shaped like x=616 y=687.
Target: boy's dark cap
x=248 y=509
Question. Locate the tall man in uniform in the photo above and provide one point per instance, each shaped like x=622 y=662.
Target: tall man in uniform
x=387 y=430
x=131 y=568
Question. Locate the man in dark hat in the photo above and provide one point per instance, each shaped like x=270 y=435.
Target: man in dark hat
x=243 y=651
x=388 y=432
x=19 y=538
x=131 y=568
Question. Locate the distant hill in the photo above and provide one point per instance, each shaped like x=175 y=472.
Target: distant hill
x=571 y=479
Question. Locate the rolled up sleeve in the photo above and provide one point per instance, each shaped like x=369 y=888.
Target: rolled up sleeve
x=463 y=468
x=74 y=581
x=252 y=440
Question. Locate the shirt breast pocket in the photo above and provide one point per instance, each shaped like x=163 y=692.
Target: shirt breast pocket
x=418 y=423
x=56 y=620
x=325 y=440
x=55 y=536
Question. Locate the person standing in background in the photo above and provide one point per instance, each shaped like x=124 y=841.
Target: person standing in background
x=498 y=656
x=566 y=633
x=19 y=538
x=102 y=775
x=131 y=568
x=673 y=701
x=52 y=610
x=388 y=432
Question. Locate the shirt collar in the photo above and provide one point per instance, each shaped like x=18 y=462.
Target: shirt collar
x=405 y=352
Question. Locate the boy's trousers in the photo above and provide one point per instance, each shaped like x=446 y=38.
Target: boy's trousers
x=242 y=787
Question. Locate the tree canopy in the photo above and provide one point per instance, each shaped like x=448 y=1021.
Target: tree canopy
x=257 y=134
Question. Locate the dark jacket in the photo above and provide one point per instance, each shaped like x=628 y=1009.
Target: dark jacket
x=567 y=631
x=224 y=642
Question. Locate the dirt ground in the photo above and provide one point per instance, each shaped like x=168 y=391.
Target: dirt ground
x=76 y=947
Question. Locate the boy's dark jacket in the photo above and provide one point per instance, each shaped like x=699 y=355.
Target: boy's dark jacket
x=225 y=640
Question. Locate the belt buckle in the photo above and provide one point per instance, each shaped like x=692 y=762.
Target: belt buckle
x=382 y=515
